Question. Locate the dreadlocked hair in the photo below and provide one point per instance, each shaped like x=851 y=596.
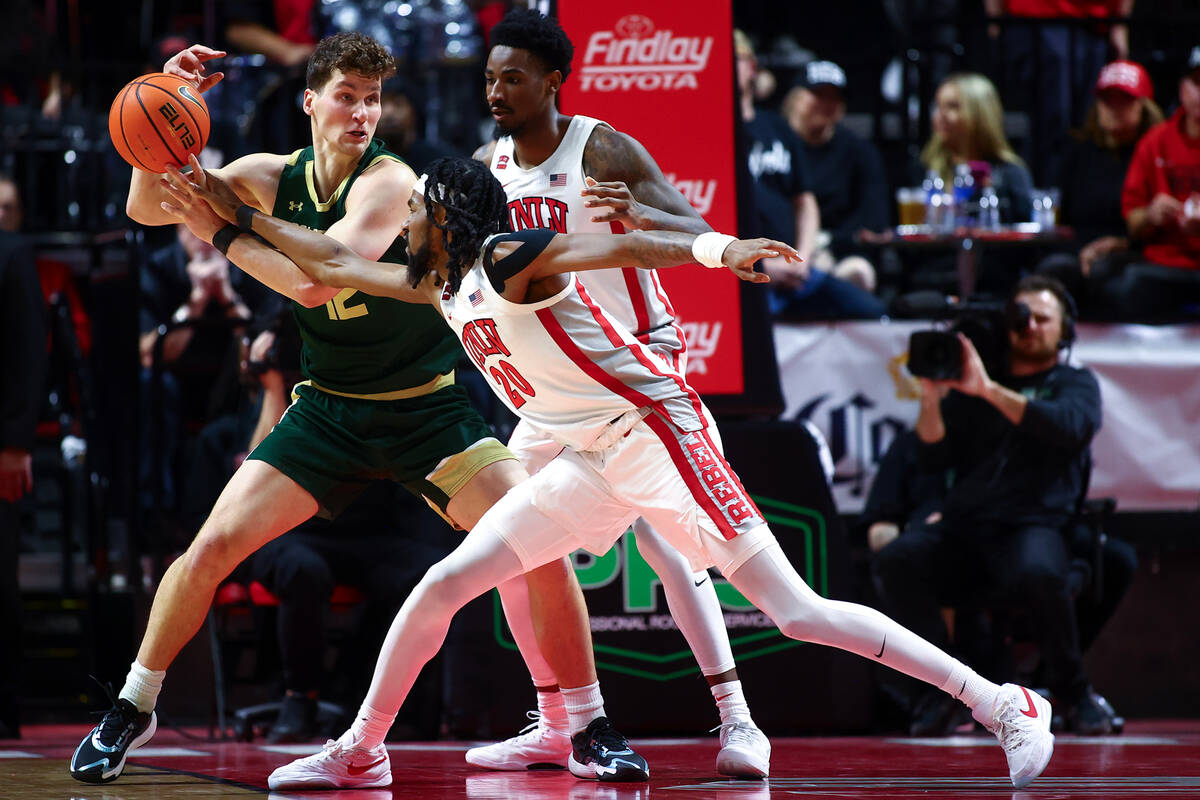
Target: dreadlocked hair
x=527 y=29
x=476 y=207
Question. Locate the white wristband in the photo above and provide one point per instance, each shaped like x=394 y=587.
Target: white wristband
x=709 y=246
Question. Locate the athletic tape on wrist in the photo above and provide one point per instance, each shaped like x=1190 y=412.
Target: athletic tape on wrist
x=224 y=237
x=245 y=217
x=709 y=246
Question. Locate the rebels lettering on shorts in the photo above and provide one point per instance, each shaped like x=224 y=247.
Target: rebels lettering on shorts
x=715 y=475
x=714 y=486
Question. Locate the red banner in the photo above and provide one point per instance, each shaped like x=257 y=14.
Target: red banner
x=663 y=73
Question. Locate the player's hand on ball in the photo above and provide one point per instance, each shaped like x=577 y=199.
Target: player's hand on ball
x=189 y=65
x=741 y=256
x=187 y=206
x=207 y=188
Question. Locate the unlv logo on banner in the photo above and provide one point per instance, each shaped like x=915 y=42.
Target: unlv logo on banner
x=643 y=68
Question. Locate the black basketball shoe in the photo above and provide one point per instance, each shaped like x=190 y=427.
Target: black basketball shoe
x=100 y=757
x=601 y=753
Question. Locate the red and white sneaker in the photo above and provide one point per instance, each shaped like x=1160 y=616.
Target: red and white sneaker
x=537 y=746
x=337 y=766
x=1021 y=721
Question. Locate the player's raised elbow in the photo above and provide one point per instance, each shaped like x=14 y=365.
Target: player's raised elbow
x=312 y=294
x=144 y=214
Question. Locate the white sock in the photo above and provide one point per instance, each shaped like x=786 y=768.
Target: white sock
x=731 y=703
x=584 y=704
x=553 y=709
x=142 y=686
x=370 y=728
x=976 y=692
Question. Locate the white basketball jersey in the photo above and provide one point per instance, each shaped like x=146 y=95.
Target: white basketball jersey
x=547 y=196
x=564 y=363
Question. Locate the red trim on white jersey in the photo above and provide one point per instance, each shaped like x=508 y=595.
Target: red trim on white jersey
x=589 y=367
x=678 y=355
x=647 y=360
x=638 y=301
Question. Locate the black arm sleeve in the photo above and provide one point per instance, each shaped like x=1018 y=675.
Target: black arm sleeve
x=533 y=242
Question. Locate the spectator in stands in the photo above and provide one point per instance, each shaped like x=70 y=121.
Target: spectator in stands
x=968 y=125
x=1161 y=204
x=187 y=282
x=400 y=126
x=1095 y=160
x=1017 y=448
x=284 y=32
x=786 y=209
x=30 y=58
x=23 y=363
x=58 y=284
x=1054 y=60
x=846 y=173
x=968 y=130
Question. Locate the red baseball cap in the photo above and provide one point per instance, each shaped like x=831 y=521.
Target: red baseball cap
x=1126 y=76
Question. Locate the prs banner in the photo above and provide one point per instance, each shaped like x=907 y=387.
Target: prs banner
x=851 y=381
x=663 y=73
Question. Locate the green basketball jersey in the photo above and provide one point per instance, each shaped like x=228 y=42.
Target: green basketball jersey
x=358 y=344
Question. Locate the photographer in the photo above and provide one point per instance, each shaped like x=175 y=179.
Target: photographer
x=1016 y=451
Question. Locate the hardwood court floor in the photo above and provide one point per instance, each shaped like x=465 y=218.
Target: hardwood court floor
x=1151 y=760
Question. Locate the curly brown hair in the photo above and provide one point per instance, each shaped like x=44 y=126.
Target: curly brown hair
x=349 y=52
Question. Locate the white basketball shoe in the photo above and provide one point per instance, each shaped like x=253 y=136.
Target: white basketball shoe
x=1021 y=721
x=537 y=746
x=745 y=751
x=336 y=766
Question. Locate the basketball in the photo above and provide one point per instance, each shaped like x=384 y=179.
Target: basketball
x=156 y=120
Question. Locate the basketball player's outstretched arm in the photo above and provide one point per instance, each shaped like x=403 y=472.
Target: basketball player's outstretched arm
x=647 y=249
x=332 y=263
x=368 y=229
x=630 y=188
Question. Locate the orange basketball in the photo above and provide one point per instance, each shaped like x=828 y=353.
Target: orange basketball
x=157 y=120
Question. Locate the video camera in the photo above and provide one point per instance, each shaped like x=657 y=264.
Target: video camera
x=937 y=354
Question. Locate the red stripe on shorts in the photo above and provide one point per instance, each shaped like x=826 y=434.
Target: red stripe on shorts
x=691 y=477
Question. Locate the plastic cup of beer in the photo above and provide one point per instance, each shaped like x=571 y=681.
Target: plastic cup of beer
x=911 y=204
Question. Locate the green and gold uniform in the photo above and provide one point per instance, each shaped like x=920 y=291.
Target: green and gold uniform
x=380 y=399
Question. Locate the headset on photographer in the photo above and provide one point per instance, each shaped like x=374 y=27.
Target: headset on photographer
x=1017 y=314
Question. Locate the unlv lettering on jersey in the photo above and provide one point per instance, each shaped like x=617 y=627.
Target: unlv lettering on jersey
x=528 y=213
x=480 y=340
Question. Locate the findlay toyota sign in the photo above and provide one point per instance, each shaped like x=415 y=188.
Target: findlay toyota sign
x=635 y=55
x=663 y=73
